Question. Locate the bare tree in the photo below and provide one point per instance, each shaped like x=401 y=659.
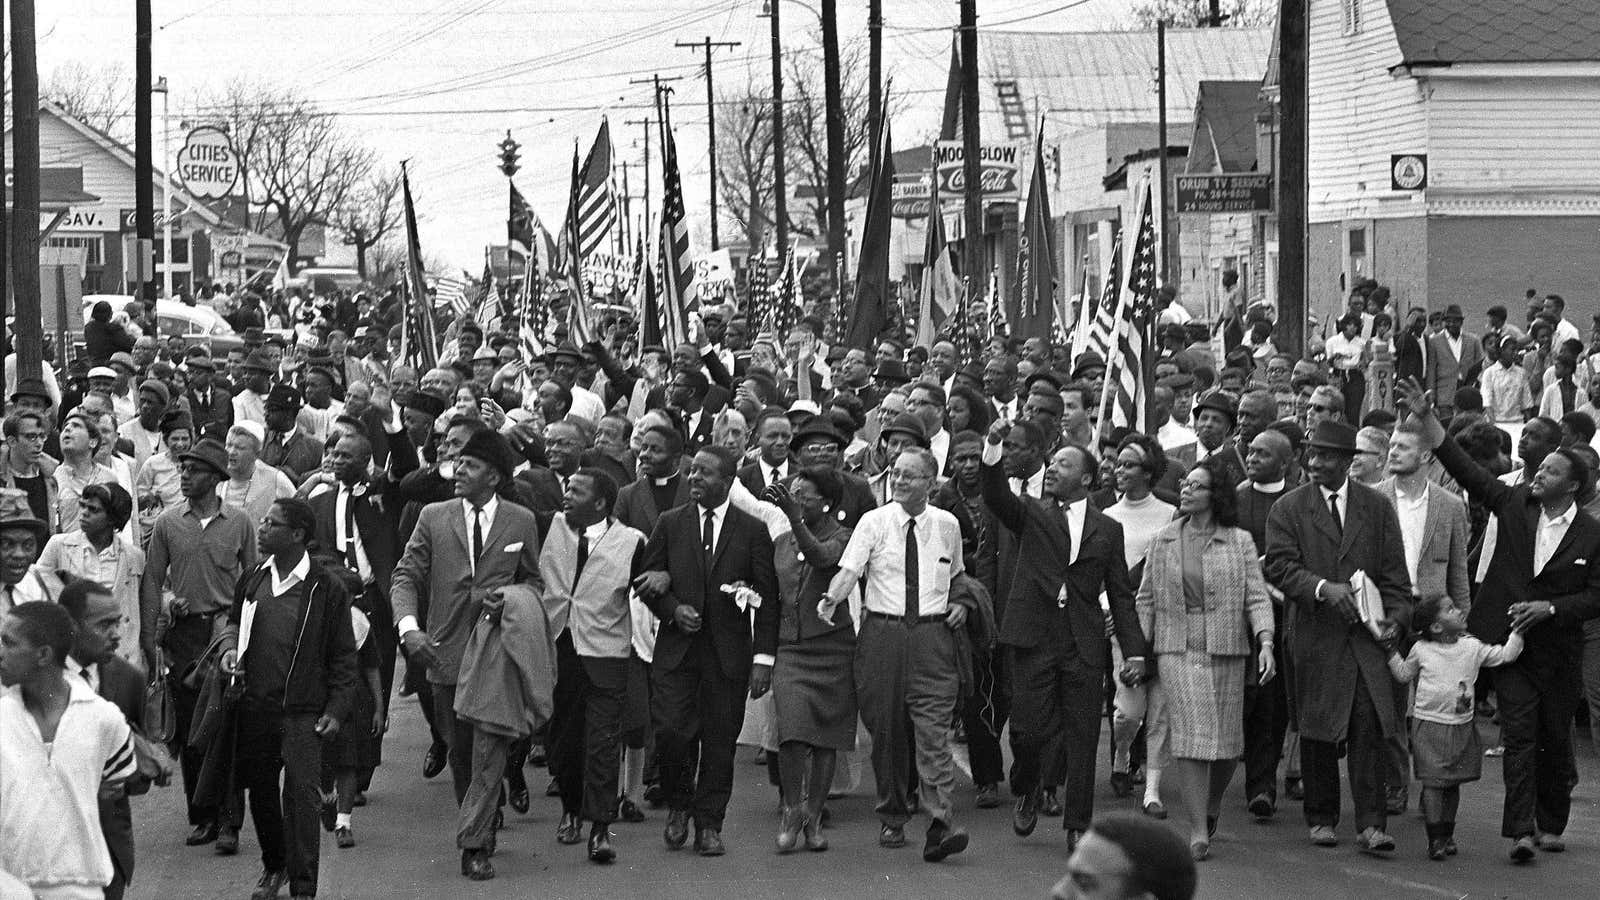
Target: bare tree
x=99 y=96
x=806 y=125
x=301 y=166
x=1197 y=13
x=744 y=162
x=372 y=212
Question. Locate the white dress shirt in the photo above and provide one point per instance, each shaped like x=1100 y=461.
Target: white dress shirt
x=1343 y=493
x=719 y=517
x=771 y=475
x=1413 y=513
x=1548 y=537
x=939 y=443
x=1076 y=512
x=1004 y=410
x=1175 y=434
x=341 y=504
x=1032 y=486
x=877 y=549
x=488 y=523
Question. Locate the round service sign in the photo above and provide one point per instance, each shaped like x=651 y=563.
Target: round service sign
x=207 y=164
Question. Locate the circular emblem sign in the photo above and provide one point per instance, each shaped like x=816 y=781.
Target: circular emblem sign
x=208 y=167
x=1410 y=172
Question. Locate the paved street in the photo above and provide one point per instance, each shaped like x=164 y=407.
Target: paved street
x=406 y=840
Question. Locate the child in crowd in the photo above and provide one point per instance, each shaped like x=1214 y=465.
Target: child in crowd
x=1444 y=663
x=356 y=745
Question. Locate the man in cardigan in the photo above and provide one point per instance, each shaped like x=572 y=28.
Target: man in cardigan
x=588 y=563
x=705 y=656
x=462 y=553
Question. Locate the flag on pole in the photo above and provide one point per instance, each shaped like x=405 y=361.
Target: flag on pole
x=450 y=295
x=677 y=262
x=997 y=306
x=870 y=311
x=596 y=196
x=417 y=342
x=941 y=290
x=1099 y=319
x=572 y=233
x=1036 y=255
x=785 y=294
x=1134 y=360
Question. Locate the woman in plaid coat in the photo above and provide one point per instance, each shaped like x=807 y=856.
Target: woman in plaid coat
x=1201 y=600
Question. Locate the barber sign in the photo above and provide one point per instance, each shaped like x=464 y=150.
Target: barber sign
x=207 y=165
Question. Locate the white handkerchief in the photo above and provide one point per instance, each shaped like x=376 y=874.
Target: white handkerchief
x=514 y=548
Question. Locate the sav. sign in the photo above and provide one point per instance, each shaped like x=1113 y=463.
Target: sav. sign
x=207 y=164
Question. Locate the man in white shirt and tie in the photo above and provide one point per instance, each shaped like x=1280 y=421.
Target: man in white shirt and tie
x=1000 y=384
x=908 y=552
x=773 y=433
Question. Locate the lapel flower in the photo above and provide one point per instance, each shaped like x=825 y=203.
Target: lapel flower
x=743 y=595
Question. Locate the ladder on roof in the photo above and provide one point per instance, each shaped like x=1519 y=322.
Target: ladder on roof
x=1012 y=111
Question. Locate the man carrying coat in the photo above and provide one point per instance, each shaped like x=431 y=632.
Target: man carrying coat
x=1318 y=536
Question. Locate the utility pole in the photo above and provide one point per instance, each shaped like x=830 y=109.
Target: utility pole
x=24 y=250
x=144 y=191
x=1290 y=171
x=657 y=82
x=833 y=101
x=627 y=207
x=972 y=171
x=1216 y=16
x=780 y=189
x=711 y=120
x=645 y=123
x=1161 y=128
x=875 y=74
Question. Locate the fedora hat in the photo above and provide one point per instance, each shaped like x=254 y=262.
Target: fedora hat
x=493 y=450
x=1219 y=401
x=1336 y=436
x=815 y=427
x=210 y=452
x=16 y=513
x=907 y=424
x=1453 y=311
x=258 y=362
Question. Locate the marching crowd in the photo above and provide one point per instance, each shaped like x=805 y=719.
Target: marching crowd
x=622 y=561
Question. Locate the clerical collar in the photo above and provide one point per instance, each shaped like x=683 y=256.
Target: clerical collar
x=1268 y=487
x=662 y=482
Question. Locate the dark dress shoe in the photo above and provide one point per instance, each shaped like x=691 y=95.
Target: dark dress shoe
x=1050 y=805
x=329 y=814
x=570 y=831
x=518 y=797
x=270 y=884
x=988 y=796
x=892 y=836
x=943 y=841
x=477 y=866
x=708 y=842
x=1026 y=816
x=1294 y=789
x=204 y=833
x=344 y=837
x=677 y=830
x=628 y=811
x=1121 y=784
x=654 y=797
x=1262 y=807
x=434 y=760
x=227 y=841
x=600 y=850
x=1396 y=799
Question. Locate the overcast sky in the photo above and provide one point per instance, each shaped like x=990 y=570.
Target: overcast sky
x=440 y=81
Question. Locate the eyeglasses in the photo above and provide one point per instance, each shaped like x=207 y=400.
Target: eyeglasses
x=1323 y=408
x=1190 y=485
x=819 y=446
x=37 y=437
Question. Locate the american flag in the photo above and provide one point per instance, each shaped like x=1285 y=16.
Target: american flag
x=1103 y=319
x=997 y=305
x=418 y=345
x=450 y=293
x=572 y=256
x=677 y=262
x=596 y=196
x=489 y=314
x=1135 y=358
x=758 y=290
x=785 y=309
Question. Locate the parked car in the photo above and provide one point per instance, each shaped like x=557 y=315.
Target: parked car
x=196 y=324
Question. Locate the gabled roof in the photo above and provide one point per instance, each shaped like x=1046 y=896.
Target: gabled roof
x=1225 y=127
x=182 y=200
x=1087 y=79
x=1444 y=32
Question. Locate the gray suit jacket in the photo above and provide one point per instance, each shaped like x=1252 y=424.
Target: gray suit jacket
x=1442 y=565
x=1443 y=373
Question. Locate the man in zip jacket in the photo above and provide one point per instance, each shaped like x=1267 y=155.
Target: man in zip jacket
x=289 y=640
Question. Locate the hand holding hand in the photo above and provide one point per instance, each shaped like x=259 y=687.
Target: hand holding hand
x=1133 y=672
x=1529 y=613
x=760 y=681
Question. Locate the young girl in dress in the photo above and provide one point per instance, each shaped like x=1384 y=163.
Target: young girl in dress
x=1445 y=754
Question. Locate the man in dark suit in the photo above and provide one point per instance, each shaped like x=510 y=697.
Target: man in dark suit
x=210 y=405
x=1055 y=629
x=94 y=659
x=773 y=433
x=1318 y=536
x=1544 y=580
x=1215 y=416
x=705 y=656
x=1454 y=359
x=660 y=485
x=359 y=520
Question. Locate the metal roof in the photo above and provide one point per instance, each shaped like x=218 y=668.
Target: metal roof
x=1442 y=32
x=1082 y=80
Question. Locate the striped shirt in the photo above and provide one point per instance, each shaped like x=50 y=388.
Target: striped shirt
x=49 y=792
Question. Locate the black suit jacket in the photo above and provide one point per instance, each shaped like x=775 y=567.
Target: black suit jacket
x=1570 y=581
x=743 y=553
x=540 y=488
x=636 y=504
x=1034 y=612
x=215 y=418
x=754 y=475
x=123 y=685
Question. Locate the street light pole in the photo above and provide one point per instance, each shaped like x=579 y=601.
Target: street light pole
x=780 y=203
x=166 y=189
x=833 y=101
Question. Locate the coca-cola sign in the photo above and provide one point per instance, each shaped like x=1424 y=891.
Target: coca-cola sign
x=999 y=167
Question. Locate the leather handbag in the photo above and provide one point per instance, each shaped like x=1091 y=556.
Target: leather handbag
x=160 y=715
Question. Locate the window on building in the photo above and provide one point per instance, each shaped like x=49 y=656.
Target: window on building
x=96 y=250
x=1357 y=256
x=1352 y=16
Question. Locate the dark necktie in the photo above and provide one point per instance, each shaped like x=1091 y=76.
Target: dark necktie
x=708 y=543
x=913 y=592
x=477 y=534
x=583 y=556
x=1333 y=507
x=1066 y=524
x=350 y=559
x=774 y=479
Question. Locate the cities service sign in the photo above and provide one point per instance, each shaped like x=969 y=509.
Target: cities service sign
x=208 y=167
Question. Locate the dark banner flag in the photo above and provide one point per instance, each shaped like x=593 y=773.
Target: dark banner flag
x=417 y=341
x=1036 y=256
x=874 y=294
